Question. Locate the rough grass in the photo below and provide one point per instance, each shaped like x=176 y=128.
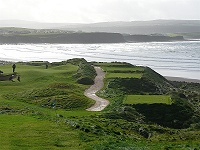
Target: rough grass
x=23 y=132
x=147 y=99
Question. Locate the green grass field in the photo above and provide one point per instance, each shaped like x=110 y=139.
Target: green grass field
x=121 y=70
x=40 y=86
x=109 y=64
x=123 y=75
x=27 y=120
x=25 y=123
x=109 y=69
x=147 y=99
x=24 y=132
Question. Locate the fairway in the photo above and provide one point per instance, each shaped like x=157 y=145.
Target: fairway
x=124 y=75
x=125 y=69
x=147 y=99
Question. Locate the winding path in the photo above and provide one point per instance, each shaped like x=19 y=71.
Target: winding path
x=90 y=93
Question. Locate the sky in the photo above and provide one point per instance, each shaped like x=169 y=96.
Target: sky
x=91 y=11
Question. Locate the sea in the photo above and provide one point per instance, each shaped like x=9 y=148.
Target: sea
x=177 y=59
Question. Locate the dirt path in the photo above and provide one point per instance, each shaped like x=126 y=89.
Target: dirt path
x=98 y=84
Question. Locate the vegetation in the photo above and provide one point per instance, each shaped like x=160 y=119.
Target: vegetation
x=86 y=73
x=46 y=109
x=23 y=35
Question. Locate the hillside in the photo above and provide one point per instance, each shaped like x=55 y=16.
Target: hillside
x=46 y=109
x=141 y=27
x=132 y=27
x=24 y=35
x=52 y=36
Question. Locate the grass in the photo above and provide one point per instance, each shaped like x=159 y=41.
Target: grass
x=121 y=70
x=147 y=99
x=24 y=132
x=109 y=69
x=107 y=64
x=39 y=85
x=123 y=75
x=26 y=124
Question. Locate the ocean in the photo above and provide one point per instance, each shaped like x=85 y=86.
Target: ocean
x=177 y=59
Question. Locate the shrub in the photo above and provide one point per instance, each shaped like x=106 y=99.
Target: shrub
x=85 y=80
x=85 y=74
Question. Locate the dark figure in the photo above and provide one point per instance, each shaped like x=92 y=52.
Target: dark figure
x=19 y=78
x=13 y=66
x=11 y=78
x=47 y=66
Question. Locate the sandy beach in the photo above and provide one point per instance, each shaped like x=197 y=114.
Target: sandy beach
x=182 y=79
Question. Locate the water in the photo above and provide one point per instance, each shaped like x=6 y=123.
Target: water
x=179 y=59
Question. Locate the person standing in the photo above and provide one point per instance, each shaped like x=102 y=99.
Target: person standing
x=47 y=66
x=14 y=67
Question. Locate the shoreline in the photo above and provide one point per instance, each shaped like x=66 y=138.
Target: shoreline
x=180 y=79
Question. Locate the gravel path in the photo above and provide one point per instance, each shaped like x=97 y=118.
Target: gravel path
x=90 y=93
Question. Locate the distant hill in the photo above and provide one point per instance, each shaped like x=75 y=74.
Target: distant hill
x=133 y=27
x=141 y=27
x=24 y=35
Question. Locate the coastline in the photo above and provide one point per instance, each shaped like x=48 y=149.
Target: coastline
x=180 y=79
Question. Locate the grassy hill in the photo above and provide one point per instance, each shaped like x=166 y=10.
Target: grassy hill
x=46 y=109
x=23 y=35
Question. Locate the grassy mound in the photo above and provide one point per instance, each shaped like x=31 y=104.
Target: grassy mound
x=86 y=73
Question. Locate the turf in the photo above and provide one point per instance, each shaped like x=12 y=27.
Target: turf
x=41 y=86
x=123 y=69
x=24 y=132
x=26 y=123
x=147 y=99
x=123 y=75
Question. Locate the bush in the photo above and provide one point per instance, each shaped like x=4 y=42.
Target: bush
x=133 y=85
x=85 y=81
x=85 y=74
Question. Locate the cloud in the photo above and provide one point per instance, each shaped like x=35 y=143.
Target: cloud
x=98 y=10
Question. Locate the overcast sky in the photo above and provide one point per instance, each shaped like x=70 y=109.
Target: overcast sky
x=90 y=11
